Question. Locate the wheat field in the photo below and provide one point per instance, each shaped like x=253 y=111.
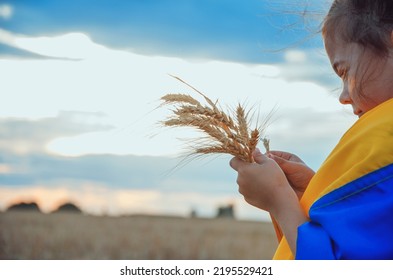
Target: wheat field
x=67 y=236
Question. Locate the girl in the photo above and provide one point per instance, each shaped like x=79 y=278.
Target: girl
x=344 y=210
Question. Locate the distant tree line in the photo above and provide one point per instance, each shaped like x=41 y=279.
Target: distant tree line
x=66 y=207
x=222 y=211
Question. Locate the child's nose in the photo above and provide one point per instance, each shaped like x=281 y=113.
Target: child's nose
x=344 y=97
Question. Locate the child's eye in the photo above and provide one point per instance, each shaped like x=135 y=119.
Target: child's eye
x=343 y=73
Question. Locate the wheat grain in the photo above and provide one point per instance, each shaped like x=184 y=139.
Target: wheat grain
x=242 y=123
x=179 y=98
x=253 y=142
x=266 y=144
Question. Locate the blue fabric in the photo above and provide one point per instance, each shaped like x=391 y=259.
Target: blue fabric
x=352 y=222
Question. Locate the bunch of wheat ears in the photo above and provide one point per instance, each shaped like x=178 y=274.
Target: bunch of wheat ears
x=225 y=134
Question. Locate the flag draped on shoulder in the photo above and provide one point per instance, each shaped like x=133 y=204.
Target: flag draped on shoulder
x=350 y=199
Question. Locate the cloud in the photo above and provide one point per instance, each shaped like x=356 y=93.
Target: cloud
x=70 y=45
x=9 y=48
x=193 y=29
x=24 y=136
x=6 y=11
x=117 y=184
x=74 y=45
x=5 y=169
x=127 y=86
x=157 y=185
x=295 y=56
x=7 y=37
x=311 y=136
x=161 y=173
x=302 y=65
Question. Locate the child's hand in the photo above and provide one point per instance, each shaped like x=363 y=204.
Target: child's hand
x=297 y=172
x=263 y=184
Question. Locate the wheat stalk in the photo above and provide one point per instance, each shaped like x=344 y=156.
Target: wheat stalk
x=225 y=134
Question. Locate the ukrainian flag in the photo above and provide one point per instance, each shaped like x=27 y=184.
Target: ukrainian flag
x=350 y=199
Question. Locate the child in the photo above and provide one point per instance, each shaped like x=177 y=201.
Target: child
x=344 y=210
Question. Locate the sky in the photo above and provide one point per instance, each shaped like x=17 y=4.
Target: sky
x=81 y=82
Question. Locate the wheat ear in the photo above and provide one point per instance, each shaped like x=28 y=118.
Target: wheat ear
x=224 y=135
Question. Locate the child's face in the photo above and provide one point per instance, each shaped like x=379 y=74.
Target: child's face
x=367 y=78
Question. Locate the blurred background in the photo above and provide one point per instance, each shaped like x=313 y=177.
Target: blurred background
x=80 y=83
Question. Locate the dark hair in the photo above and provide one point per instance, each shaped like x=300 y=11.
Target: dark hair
x=368 y=23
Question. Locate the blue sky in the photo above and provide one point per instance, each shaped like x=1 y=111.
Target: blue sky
x=81 y=82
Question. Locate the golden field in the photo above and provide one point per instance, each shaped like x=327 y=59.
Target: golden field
x=33 y=235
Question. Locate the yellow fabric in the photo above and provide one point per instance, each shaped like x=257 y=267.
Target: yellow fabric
x=361 y=150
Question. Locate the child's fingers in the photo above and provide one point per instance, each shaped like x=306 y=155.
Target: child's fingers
x=258 y=156
x=235 y=163
x=280 y=161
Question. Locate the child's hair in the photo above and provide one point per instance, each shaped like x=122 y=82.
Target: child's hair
x=368 y=23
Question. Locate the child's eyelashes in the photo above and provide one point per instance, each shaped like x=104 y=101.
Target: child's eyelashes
x=343 y=73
